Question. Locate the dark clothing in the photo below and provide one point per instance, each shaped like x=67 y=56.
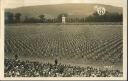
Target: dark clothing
x=16 y=57
x=56 y=61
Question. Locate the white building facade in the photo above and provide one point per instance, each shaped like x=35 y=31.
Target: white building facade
x=63 y=19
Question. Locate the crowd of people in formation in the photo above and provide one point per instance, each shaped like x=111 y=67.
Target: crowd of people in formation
x=68 y=46
x=18 y=68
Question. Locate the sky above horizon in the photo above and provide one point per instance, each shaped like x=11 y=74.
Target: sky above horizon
x=20 y=3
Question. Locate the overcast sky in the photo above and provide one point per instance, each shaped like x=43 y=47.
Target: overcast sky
x=19 y=3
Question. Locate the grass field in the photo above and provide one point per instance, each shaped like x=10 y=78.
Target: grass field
x=96 y=45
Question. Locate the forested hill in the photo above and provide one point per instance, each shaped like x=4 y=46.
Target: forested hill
x=53 y=11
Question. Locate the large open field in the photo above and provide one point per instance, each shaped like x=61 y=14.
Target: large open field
x=95 y=45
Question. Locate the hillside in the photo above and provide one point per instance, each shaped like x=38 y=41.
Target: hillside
x=55 y=10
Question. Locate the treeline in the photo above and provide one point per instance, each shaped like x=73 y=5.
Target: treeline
x=107 y=17
x=12 y=18
x=95 y=17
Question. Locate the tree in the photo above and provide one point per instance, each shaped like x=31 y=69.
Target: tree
x=17 y=17
x=9 y=17
x=42 y=18
x=26 y=19
x=31 y=20
x=107 y=17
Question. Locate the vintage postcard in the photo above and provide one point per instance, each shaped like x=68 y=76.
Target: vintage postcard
x=63 y=39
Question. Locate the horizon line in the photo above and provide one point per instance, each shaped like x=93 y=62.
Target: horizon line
x=60 y=4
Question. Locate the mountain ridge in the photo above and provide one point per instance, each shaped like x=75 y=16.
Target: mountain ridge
x=71 y=9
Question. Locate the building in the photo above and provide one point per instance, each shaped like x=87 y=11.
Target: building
x=63 y=19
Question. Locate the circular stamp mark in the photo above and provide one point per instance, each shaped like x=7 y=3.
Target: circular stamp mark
x=100 y=10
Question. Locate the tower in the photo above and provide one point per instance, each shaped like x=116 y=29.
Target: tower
x=63 y=19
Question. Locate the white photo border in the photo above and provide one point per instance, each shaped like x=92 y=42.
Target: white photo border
x=63 y=78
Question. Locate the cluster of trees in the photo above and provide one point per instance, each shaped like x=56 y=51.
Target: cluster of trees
x=95 y=17
x=12 y=18
x=107 y=17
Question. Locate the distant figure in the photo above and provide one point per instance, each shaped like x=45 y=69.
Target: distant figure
x=56 y=61
x=63 y=19
x=16 y=57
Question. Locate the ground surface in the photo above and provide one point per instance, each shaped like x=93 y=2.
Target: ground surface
x=96 y=45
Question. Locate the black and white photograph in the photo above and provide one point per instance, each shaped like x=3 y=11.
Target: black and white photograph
x=64 y=39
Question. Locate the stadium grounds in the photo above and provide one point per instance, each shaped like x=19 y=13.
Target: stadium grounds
x=83 y=45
